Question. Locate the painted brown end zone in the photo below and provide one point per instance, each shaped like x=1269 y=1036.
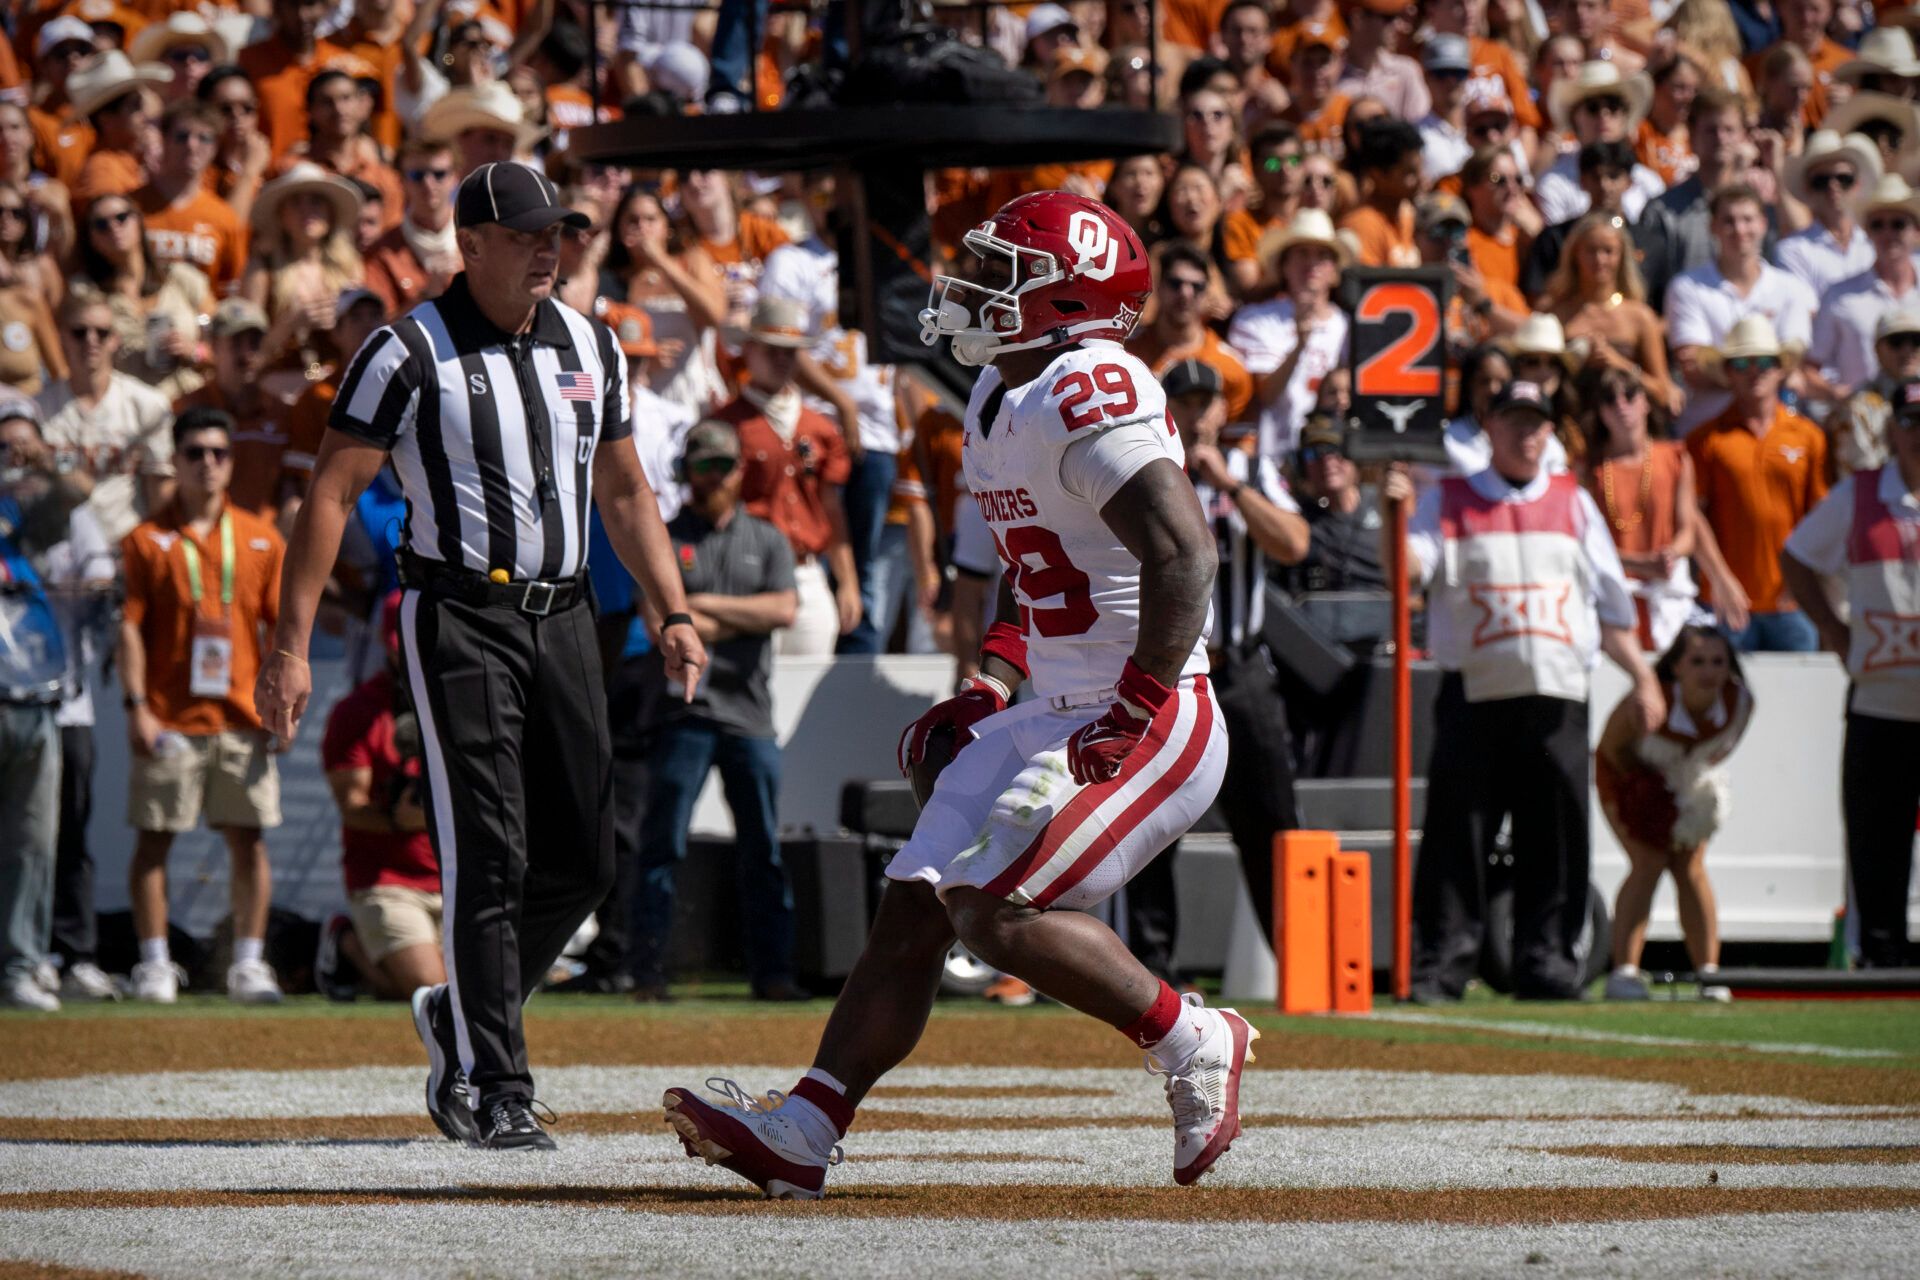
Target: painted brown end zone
x=52 y=1048
x=48 y=1271
x=1482 y=1207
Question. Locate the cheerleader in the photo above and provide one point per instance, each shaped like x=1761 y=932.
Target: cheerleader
x=1665 y=794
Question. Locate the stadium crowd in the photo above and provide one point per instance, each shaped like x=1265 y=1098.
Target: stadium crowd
x=1688 y=225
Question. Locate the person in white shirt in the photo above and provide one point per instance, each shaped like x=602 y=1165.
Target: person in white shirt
x=1293 y=342
x=122 y=426
x=1372 y=69
x=1704 y=304
x=1850 y=312
x=1830 y=177
x=1443 y=131
x=1597 y=104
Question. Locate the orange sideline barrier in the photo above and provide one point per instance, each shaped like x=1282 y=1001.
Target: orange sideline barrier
x=1300 y=918
x=1351 y=889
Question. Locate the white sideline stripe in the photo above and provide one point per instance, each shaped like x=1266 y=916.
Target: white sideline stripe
x=1549 y=1031
x=442 y=817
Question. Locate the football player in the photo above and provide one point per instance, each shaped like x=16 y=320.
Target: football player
x=1053 y=804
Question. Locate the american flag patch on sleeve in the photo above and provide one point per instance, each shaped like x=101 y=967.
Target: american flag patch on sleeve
x=574 y=386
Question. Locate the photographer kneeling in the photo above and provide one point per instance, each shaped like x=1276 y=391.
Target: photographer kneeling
x=391 y=934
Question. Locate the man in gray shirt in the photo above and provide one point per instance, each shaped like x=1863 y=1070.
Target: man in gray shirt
x=738 y=573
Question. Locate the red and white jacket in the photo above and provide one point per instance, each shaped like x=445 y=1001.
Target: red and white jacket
x=1520 y=581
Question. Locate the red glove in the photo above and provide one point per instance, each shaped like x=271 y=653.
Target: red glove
x=979 y=697
x=1096 y=751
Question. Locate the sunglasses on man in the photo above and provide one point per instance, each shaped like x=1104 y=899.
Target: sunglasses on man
x=1831 y=181
x=205 y=453
x=1753 y=364
x=1312 y=453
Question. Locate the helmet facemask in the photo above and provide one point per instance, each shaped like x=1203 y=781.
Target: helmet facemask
x=994 y=323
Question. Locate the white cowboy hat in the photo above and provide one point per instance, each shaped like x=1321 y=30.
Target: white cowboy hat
x=1753 y=336
x=1823 y=147
x=1868 y=105
x=304 y=175
x=109 y=76
x=1539 y=334
x=1311 y=226
x=182 y=27
x=1884 y=51
x=1891 y=192
x=1904 y=320
x=479 y=106
x=1598 y=80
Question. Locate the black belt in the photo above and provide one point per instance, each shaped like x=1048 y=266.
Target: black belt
x=536 y=597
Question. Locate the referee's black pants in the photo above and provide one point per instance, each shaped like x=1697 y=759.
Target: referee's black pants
x=513 y=725
x=1879 y=793
x=1525 y=757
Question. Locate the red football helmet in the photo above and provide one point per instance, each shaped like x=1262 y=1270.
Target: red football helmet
x=1055 y=269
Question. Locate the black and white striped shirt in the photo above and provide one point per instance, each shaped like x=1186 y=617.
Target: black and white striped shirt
x=1239 y=589
x=492 y=434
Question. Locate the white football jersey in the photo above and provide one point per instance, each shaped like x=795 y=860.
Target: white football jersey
x=1078 y=588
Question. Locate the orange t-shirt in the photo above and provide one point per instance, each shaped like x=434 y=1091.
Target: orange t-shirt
x=280 y=78
x=259 y=440
x=1324 y=125
x=160 y=603
x=385 y=59
x=754 y=237
x=784 y=483
x=1240 y=234
x=306 y=424
x=203 y=232
x=1673 y=160
x=1235 y=382
x=108 y=173
x=61 y=144
x=1382 y=243
x=1498 y=258
x=1492 y=58
x=1191 y=22
x=1754 y=490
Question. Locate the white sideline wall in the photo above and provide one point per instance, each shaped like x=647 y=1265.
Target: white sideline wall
x=1778 y=865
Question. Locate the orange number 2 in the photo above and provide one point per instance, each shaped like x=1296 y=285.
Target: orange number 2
x=1390 y=371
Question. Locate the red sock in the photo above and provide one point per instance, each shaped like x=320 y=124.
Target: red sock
x=832 y=1104
x=1151 y=1027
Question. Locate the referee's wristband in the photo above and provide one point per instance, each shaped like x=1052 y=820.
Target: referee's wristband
x=676 y=620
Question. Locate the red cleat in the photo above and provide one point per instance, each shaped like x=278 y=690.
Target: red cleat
x=750 y=1137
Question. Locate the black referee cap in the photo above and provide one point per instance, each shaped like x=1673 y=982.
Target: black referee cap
x=514 y=195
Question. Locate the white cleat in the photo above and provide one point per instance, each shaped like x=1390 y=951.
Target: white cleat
x=252 y=982
x=1204 y=1092
x=751 y=1138
x=87 y=981
x=157 y=981
x=26 y=992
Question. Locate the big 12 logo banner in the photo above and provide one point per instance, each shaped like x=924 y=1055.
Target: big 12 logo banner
x=1398 y=352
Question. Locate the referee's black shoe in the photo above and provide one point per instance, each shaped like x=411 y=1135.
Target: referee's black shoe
x=507 y=1123
x=446 y=1084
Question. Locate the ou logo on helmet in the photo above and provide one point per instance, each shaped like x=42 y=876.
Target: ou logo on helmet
x=1093 y=244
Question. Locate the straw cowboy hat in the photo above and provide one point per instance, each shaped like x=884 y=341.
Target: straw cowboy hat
x=1824 y=146
x=305 y=176
x=1884 y=51
x=1753 y=336
x=1539 y=334
x=1598 y=80
x=1311 y=226
x=110 y=76
x=479 y=106
x=776 y=322
x=1867 y=106
x=1891 y=192
x=182 y=29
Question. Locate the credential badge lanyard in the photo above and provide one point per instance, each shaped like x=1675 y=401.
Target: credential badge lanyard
x=212 y=670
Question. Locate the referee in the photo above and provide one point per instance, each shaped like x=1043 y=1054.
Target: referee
x=490 y=402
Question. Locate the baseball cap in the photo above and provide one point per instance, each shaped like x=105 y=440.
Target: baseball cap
x=1049 y=17
x=1073 y=57
x=1322 y=430
x=1446 y=53
x=237 y=315
x=63 y=30
x=1441 y=207
x=1190 y=377
x=514 y=195
x=709 y=440
x=1903 y=321
x=1523 y=395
